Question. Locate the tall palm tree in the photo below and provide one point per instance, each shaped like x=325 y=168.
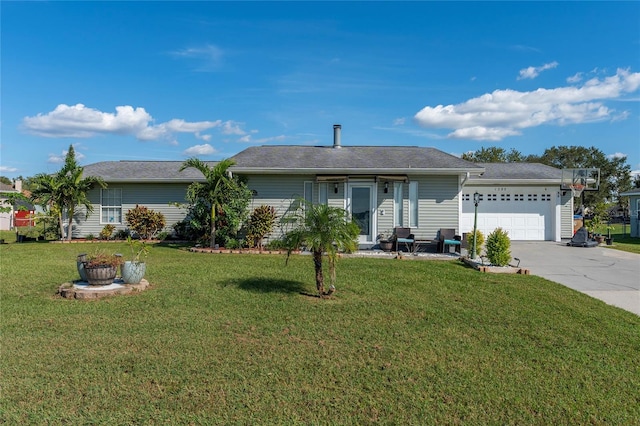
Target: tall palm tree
x=64 y=191
x=217 y=182
x=324 y=231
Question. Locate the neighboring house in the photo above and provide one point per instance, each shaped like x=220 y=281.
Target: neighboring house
x=634 y=208
x=382 y=187
x=6 y=218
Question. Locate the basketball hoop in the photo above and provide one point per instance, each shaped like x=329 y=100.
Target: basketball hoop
x=576 y=189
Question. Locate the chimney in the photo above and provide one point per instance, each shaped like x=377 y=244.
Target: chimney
x=17 y=185
x=336 y=135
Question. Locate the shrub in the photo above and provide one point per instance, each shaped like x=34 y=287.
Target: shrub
x=479 y=241
x=145 y=222
x=260 y=224
x=107 y=231
x=498 y=247
x=121 y=234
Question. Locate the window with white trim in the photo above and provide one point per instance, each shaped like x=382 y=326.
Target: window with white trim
x=413 y=204
x=398 y=208
x=111 y=205
x=323 y=193
x=308 y=194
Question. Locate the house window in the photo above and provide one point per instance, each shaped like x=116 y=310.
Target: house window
x=398 y=210
x=323 y=193
x=111 y=205
x=308 y=194
x=413 y=204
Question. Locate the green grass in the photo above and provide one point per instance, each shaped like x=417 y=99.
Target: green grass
x=233 y=339
x=622 y=240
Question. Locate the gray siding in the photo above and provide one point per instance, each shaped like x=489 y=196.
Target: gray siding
x=566 y=216
x=154 y=196
x=279 y=192
x=438 y=205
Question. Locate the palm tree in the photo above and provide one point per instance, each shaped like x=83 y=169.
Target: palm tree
x=323 y=230
x=218 y=181
x=64 y=191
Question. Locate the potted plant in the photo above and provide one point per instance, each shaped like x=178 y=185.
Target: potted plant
x=133 y=270
x=385 y=242
x=101 y=268
x=609 y=239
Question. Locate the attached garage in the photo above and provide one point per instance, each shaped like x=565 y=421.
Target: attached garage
x=525 y=213
x=524 y=199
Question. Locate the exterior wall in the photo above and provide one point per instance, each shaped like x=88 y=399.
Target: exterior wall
x=566 y=216
x=437 y=205
x=634 y=204
x=155 y=196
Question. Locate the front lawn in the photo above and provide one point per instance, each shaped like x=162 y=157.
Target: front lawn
x=233 y=339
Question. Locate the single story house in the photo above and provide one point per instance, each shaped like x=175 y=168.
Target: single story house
x=634 y=209
x=382 y=187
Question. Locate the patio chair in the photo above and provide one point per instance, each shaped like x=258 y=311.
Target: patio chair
x=403 y=236
x=447 y=237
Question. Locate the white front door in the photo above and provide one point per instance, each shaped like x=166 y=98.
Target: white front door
x=360 y=204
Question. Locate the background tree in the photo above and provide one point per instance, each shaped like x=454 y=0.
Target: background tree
x=636 y=181
x=5 y=180
x=494 y=154
x=225 y=198
x=323 y=230
x=615 y=174
x=65 y=191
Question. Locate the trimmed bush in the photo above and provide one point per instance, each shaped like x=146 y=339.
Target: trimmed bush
x=498 y=247
x=145 y=222
x=260 y=224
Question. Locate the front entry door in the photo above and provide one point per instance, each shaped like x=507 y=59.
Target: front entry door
x=360 y=204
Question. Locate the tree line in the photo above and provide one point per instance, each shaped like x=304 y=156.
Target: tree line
x=615 y=173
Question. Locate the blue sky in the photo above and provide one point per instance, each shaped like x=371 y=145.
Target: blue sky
x=167 y=81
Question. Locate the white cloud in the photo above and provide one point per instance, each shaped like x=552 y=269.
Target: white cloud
x=576 y=78
x=399 y=121
x=59 y=158
x=249 y=139
x=209 y=57
x=8 y=169
x=533 y=72
x=205 y=149
x=502 y=113
x=79 y=121
x=232 y=128
x=616 y=155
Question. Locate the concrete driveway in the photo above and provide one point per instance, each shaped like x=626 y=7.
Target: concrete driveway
x=609 y=275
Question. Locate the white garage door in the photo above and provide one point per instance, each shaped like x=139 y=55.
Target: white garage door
x=526 y=214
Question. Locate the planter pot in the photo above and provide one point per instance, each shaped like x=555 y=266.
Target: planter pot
x=80 y=264
x=599 y=239
x=386 y=245
x=609 y=241
x=133 y=272
x=100 y=275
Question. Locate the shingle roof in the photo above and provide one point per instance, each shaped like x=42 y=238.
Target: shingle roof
x=289 y=158
x=518 y=171
x=143 y=171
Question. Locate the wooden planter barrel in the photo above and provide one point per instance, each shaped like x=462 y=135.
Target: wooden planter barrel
x=100 y=275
